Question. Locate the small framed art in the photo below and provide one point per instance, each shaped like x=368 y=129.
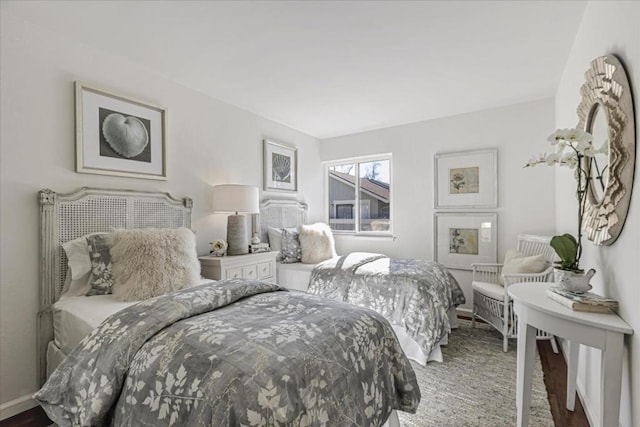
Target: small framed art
x=466 y=179
x=280 y=167
x=464 y=238
x=118 y=135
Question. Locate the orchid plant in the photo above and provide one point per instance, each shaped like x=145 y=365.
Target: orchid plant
x=575 y=150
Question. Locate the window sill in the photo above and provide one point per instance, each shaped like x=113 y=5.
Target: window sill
x=377 y=235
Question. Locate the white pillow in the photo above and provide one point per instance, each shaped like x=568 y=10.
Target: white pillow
x=316 y=242
x=275 y=238
x=517 y=262
x=151 y=262
x=75 y=288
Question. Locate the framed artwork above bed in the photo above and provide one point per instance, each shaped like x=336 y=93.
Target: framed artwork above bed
x=280 y=167
x=117 y=135
x=466 y=179
x=465 y=238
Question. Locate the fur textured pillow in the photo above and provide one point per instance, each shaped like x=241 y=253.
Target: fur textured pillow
x=317 y=244
x=152 y=262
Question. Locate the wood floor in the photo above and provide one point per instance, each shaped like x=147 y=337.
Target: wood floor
x=555 y=380
x=554 y=369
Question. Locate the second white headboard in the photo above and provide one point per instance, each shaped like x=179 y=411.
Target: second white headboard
x=280 y=213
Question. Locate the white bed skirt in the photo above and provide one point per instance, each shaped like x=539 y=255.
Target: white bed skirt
x=393 y=420
x=54 y=357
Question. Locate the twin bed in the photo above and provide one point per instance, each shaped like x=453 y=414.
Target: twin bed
x=217 y=353
x=419 y=298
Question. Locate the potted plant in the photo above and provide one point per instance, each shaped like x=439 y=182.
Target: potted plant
x=566 y=247
x=574 y=149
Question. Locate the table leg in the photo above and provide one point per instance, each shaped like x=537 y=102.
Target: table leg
x=611 y=380
x=572 y=373
x=526 y=362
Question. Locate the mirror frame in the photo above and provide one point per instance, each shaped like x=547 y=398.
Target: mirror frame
x=606 y=84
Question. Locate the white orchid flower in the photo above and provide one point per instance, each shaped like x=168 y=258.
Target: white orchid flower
x=535 y=160
x=556 y=136
x=551 y=159
x=570 y=160
x=570 y=135
x=589 y=151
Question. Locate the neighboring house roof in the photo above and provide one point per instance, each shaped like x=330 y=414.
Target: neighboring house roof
x=377 y=189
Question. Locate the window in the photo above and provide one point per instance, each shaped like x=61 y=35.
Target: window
x=359 y=195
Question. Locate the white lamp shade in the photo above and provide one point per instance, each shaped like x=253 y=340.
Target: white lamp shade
x=236 y=198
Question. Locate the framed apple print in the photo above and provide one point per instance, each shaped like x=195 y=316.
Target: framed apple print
x=118 y=135
x=280 y=167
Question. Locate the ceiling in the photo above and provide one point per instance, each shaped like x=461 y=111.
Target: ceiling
x=332 y=68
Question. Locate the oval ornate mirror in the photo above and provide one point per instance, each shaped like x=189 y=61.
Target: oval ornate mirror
x=606 y=111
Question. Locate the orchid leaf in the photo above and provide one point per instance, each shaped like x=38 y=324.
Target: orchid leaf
x=566 y=246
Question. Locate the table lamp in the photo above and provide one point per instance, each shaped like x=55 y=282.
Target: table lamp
x=237 y=199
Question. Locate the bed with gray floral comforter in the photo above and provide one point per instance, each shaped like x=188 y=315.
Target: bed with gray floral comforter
x=234 y=352
x=415 y=295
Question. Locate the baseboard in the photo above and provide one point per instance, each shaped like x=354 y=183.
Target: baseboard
x=464 y=312
x=16 y=406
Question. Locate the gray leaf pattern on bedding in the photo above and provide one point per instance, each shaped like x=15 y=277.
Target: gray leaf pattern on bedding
x=413 y=294
x=236 y=352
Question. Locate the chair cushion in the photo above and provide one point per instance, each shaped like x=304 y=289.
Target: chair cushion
x=492 y=290
x=517 y=262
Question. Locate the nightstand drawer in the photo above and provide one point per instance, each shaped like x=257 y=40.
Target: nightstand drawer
x=234 y=273
x=250 y=266
x=250 y=272
x=264 y=270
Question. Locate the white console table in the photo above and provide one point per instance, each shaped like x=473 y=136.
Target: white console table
x=604 y=331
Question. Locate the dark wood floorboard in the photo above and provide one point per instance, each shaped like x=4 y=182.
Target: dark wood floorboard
x=555 y=380
x=32 y=418
x=554 y=369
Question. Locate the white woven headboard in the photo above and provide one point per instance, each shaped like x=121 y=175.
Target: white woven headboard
x=64 y=217
x=280 y=213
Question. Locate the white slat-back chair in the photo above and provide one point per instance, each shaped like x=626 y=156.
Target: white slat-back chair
x=492 y=303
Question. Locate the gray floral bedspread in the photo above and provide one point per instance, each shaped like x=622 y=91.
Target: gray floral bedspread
x=234 y=353
x=415 y=295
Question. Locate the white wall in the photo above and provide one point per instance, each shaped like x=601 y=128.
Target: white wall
x=209 y=143
x=526 y=199
x=607 y=27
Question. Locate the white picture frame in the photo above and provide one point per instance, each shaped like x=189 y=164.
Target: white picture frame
x=463 y=238
x=466 y=179
x=118 y=135
x=280 y=166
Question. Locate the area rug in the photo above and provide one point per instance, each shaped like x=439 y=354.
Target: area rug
x=475 y=385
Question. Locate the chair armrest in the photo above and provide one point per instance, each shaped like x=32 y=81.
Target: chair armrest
x=513 y=278
x=486 y=272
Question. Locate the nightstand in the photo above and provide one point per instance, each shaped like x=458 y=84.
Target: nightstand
x=249 y=266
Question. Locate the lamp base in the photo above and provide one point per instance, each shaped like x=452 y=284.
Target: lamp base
x=237 y=235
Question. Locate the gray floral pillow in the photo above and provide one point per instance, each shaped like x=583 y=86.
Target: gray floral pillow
x=291 y=251
x=100 y=279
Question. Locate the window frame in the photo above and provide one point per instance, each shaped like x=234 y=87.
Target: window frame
x=357 y=201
